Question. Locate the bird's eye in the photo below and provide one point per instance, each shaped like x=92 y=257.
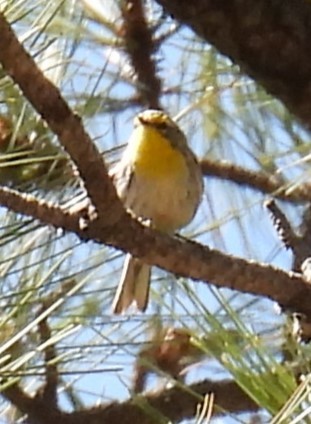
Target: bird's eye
x=161 y=125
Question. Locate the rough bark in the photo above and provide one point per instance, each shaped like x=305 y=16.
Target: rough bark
x=268 y=39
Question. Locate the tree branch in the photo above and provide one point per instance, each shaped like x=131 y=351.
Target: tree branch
x=256 y=180
x=269 y=39
x=48 y=102
x=48 y=391
x=175 y=404
x=136 y=29
x=179 y=256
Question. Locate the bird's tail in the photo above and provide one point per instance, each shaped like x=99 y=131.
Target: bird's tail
x=133 y=286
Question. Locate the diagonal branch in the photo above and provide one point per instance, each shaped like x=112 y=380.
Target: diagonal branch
x=48 y=102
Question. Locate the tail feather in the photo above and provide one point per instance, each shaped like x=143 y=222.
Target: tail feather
x=133 y=286
x=142 y=285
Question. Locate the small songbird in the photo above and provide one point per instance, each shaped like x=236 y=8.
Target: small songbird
x=159 y=180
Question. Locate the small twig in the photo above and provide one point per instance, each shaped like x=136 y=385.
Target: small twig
x=282 y=226
x=301 y=248
x=48 y=392
x=298 y=244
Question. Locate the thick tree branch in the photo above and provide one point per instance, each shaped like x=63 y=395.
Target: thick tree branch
x=37 y=410
x=179 y=256
x=175 y=404
x=269 y=39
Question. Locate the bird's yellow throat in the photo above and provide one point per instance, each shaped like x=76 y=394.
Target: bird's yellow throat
x=154 y=155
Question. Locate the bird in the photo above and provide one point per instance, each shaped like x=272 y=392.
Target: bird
x=159 y=181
